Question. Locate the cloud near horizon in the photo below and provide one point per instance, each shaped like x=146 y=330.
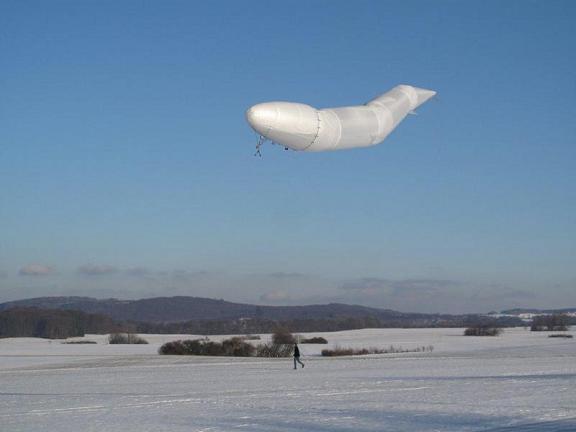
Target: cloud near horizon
x=411 y=294
x=97 y=269
x=373 y=285
x=140 y=272
x=275 y=296
x=36 y=270
x=137 y=271
x=436 y=295
x=287 y=276
x=504 y=294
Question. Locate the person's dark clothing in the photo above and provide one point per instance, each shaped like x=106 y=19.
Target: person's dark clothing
x=297 y=356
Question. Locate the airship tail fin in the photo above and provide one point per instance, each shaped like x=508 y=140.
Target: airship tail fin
x=423 y=95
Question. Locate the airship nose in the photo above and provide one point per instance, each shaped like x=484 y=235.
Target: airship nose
x=292 y=125
x=262 y=117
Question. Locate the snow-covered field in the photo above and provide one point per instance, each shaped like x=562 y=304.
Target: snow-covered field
x=520 y=381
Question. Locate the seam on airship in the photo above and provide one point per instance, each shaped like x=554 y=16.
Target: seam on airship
x=317 y=131
x=410 y=94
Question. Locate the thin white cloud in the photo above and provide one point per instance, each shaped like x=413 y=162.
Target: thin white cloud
x=36 y=270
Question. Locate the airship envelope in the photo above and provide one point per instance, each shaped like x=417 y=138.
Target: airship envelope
x=301 y=127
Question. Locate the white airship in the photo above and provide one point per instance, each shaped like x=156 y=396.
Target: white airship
x=301 y=127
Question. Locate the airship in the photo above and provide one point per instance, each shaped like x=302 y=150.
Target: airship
x=301 y=127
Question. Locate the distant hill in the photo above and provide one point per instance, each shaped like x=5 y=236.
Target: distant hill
x=196 y=315
x=178 y=309
x=520 y=311
x=197 y=309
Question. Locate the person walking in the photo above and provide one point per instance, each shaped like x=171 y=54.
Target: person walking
x=297 y=356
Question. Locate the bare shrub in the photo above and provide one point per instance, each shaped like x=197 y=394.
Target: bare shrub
x=80 y=342
x=233 y=347
x=237 y=347
x=274 y=350
x=314 y=340
x=282 y=336
x=339 y=351
x=125 y=338
x=230 y=347
x=483 y=330
x=556 y=322
x=178 y=347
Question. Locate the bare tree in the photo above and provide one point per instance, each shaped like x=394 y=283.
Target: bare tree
x=555 y=322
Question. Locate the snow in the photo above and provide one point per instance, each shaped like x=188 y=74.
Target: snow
x=520 y=381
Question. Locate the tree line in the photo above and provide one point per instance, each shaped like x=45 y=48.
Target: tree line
x=54 y=324
x=58 y=323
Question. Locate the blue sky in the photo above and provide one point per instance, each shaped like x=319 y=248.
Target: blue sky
x=127 y=168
